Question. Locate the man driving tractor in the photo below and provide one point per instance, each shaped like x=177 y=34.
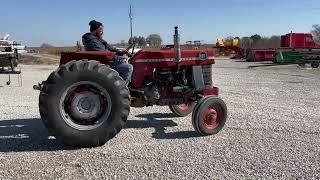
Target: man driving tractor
x=93 y=41
x=84 y=103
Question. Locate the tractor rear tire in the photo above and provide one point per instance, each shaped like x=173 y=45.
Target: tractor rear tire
x=209 y=115
x=84 y=103
x=314 y=64
x=182 y=110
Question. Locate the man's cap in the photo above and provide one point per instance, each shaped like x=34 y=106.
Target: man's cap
x=94 y=25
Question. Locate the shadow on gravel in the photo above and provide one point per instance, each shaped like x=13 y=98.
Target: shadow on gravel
x=266 y=64
x=159 y=121
x=242 y=60
x=157 y=115
x=21 y=135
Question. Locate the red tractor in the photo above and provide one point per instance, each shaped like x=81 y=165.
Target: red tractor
x=85 y=103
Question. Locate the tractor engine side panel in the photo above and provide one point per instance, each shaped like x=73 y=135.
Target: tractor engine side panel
x=145 y=62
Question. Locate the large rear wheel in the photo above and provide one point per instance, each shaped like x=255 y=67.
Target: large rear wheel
x=84 y=103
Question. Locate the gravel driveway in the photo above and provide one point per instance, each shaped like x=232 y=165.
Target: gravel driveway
x=272 y=133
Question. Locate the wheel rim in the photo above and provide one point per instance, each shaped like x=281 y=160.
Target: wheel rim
x=184 y=106
x=85 y=105
x=314 y=65
x=212 y=117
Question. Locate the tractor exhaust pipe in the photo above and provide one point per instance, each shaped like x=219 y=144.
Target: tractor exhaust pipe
x=177 y=50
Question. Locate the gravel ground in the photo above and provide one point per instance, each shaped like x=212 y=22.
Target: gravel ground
x=272 y=133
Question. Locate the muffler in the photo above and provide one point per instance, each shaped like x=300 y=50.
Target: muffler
x=177 y=50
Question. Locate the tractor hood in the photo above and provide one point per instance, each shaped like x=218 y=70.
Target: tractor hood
x=168 y=56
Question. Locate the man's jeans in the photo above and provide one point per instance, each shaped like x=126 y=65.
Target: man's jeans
x=123 y=68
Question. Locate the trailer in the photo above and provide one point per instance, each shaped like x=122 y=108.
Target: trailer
x=311 y=56
x=298 y=48
x=258 y=55
x=230 y=47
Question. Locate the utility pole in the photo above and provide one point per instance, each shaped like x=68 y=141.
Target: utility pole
x=130 y=17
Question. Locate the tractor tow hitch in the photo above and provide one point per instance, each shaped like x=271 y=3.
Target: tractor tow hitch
x=39 y=86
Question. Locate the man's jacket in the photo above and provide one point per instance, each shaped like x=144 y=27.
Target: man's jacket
x=93 y=43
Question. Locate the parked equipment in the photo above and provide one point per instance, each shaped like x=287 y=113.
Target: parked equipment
x=9 y=58
x=85 y=103
x=258 y=55
x=230 y=47
x=296 y=48
x=284 y=57
x=298 y=56
x=299 y=40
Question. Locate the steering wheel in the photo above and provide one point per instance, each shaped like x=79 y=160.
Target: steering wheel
x=126 y=51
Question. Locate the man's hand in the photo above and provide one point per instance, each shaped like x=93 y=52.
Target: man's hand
x=121 y=59
x=125 y=56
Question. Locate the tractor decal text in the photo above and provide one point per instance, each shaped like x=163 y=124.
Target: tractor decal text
x=172 y=59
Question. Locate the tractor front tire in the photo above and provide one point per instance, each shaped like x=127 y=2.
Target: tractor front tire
x=182 y=110
x=209 y=115
x=84 y=103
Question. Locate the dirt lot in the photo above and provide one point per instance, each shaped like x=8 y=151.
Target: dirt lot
x=272 y=133
x=32 y=59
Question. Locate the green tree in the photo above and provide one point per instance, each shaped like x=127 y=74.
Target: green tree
x=154 y=40
x=142 y=41
x=255 y=40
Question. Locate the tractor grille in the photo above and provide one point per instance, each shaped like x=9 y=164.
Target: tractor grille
x=207 y=75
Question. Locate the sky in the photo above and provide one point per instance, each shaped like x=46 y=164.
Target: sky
x=62 y=22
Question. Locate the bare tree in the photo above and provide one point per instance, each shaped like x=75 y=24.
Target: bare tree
x=256 y=41
x=245 y=42
x=316 y=31
x=122 y=42
x=274 y=42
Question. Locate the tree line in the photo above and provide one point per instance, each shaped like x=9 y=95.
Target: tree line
x=257 y=41
x=153 y=40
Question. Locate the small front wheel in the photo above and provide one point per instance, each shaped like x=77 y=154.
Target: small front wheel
x=209 y=115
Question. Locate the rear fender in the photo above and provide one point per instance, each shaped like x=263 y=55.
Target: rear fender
x=103 y=57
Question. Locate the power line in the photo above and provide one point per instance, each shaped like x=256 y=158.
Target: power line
x=130 y=17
